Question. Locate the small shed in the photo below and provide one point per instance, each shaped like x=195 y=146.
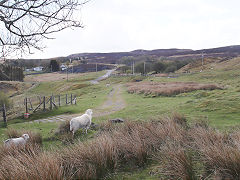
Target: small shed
x=40 y=68
x=63 y=67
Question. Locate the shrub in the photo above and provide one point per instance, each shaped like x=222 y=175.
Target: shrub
x=171 y=68
x=63 y=128
x=4 y=100
x=167 y=89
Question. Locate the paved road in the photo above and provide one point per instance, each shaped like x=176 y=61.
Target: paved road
x=109 y=72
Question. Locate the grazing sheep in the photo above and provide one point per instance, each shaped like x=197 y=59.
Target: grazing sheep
x=17 y=141
x=83 y=121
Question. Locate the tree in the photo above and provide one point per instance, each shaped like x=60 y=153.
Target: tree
x=54 y=66
x=4 y=100
x=171 y=68
x=25 y=23
x=159 y=67
x=11 y=73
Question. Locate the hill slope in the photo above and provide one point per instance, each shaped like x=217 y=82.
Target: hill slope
x=228 y=51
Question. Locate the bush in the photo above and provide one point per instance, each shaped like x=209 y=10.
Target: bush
x=159 y=67
x=171 y=68
x=167 y=89
x=63 y=128
x=4 y=100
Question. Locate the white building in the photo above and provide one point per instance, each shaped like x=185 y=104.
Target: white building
x=40 y=68
x=63 y=67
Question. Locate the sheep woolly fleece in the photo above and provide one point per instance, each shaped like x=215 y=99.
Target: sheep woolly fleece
x=17 y=141
x=83 y=121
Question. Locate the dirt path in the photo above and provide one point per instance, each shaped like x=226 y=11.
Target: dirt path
x=113 y=104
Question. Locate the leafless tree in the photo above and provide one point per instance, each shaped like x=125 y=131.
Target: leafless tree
x=25 y=23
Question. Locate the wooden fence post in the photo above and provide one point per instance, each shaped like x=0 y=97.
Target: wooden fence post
x=26 y=105
x=44 y=103
x=59 y=100
x=51 y=101
x=66 y=99
x=30 y=102
x=53 y=98
x=4 y=115
x=75 y=98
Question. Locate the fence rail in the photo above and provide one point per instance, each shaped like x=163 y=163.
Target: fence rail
x=33 y=104
x=54 y=101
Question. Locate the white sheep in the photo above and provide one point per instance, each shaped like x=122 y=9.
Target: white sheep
x=84 y=121
x=17 y=141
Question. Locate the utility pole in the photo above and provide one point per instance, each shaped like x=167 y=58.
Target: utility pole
x=67 y=73
x=96 y=67
x=133 y=67
x=202 y=60
x=144 y=67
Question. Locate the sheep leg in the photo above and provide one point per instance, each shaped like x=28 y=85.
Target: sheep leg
x=73 y=134
x=86 y=130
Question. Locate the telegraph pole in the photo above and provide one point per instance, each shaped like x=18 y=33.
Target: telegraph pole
x=96 y=67
x=202 y=60
x=144 y=67
x=133 y=67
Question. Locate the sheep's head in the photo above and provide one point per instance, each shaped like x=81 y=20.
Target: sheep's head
x=89 y=112
x=25 y=136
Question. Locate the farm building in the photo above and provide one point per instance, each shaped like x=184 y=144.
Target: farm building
x=40 y=68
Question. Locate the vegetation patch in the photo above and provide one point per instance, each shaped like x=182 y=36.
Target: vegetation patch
x=79 y=86
x=167 y=88
x=178 y=150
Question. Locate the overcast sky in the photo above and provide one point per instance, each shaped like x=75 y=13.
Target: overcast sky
x=125 y=25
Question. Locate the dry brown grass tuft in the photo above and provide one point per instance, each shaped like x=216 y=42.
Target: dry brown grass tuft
x=219 y=153
x=30 y=164
x=15 y=151
x=176 y=162
x=167 y=89
x=64 y=128
x=131 y=143
x=180 y=119
x=183 y=152
x=89 y=160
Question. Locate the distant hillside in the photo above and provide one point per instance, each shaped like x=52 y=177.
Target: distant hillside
x=212 y=64
x=167 y=54
x=113 y=58
x=171 y=54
